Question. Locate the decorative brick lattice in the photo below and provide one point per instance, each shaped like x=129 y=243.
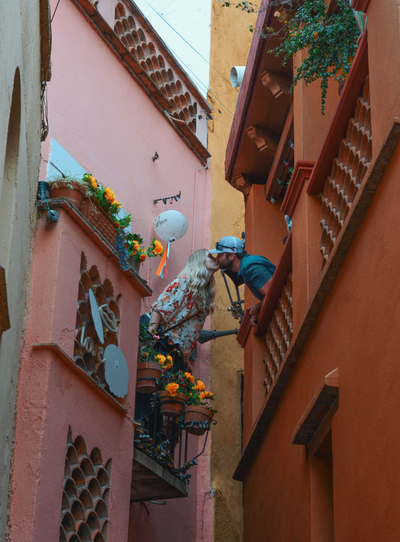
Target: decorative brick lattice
x=348 y=171
x=154 y=64
x=86 y=494
x=88 y=351
x=279 y=334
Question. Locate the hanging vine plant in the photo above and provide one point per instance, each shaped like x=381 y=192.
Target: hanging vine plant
x=330 y=40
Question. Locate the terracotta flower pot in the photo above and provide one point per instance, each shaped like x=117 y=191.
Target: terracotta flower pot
x=62 y=189
x=195 y=418
x=148 y=374
x=172 y=406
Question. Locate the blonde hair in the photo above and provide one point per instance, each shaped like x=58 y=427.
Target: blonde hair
x=197 y=276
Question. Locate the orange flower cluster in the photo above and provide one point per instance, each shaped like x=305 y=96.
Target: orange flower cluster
x=206 y=395
x=190 y=377
x=142 y=254
x=172 y=389
x=109 y=195
x=158 y=248
x=92 y=181
x=165 y=361
x=200 y=386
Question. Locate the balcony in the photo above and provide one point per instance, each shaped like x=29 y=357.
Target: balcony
x=164 y=451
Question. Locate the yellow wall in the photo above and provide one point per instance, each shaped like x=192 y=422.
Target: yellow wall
x=230 y=43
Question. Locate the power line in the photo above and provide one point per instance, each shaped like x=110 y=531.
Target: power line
x=209 y=91
x=191 y=46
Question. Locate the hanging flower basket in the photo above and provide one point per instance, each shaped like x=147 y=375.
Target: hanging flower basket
x=148 y=375
x=172 y=406
x=197 y=419
x=72 y=190
x=100 y=219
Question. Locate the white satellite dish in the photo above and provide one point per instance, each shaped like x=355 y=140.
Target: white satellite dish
x=94 y=309
x=116 y=370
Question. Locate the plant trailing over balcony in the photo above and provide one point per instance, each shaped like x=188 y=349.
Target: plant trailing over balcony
x=137 y=251
x=106 y=198
x=329 y=39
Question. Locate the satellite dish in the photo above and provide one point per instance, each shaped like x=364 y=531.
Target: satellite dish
x=98 y=324
x=116 y=370
x=170 y=225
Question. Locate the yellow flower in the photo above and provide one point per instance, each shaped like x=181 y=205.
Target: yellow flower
x=200 y=386
x=117 y=203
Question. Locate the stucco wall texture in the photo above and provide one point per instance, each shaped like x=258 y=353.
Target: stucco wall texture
x=19 y=167
x=230 y=43
x=106 y=122
x=357 y=332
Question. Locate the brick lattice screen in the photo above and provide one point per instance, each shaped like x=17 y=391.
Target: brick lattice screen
x=86 y=494
x=348 y=171
x=279 y=334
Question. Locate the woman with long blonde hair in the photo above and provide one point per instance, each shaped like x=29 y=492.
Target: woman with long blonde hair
x=181 y=310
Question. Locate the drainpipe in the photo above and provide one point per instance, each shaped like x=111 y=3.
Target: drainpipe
x=194 y=202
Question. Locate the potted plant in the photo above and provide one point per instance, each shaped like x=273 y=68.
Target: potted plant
x=67 y=187
x=101 y=209
x=198 y=412
x=137 y=252
x=176 y=387
x=150 y=363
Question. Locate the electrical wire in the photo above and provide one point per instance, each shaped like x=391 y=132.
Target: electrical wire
x=209 y=91
x=55 y=10
x=191 y=46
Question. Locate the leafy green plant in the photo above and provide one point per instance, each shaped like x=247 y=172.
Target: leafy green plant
x=138 y=252
x=106 y=197
x=329 y=39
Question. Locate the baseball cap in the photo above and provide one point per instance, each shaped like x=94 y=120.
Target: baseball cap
x=228 y=244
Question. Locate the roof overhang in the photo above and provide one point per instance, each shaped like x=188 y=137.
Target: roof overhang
x=263 y=106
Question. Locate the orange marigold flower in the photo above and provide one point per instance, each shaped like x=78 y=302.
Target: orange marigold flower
x=160 y=359
x=169 y=359
x=167 y=366
x=208 y=395
x=142 y=256
x=190 y=377
x=92 y=181
x=109 y=194
x=315 y=34
x=200 y=386
x=202 y=395
x=172 y=389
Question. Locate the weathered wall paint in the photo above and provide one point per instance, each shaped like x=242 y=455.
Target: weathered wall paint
x=230 y=43
x=19 y=167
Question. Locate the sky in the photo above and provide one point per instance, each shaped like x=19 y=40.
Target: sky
x=191 y=19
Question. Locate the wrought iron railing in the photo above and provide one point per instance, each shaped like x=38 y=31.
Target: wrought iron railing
x=165 y=438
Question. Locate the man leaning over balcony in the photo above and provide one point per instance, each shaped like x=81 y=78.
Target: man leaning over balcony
x=256 y=271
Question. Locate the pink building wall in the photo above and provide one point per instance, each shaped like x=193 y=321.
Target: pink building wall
x=107 y=123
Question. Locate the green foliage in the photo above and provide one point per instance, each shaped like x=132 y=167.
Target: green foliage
x=106 y=197
x=330 y=41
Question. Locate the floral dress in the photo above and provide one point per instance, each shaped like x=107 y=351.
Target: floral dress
x=175 y=304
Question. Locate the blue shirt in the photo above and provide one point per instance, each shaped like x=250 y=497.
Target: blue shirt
x=255 y=271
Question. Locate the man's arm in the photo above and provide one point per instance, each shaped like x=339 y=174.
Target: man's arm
x=254 y=310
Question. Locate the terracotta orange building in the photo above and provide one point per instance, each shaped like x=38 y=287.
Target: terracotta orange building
x=321 y=395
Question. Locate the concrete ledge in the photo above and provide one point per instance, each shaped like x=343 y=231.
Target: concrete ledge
x=151 y=481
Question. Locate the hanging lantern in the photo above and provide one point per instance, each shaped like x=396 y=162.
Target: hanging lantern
x=170 y=226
